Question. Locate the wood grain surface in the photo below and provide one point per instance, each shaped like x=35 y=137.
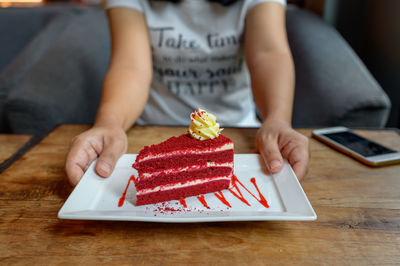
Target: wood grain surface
x=10 y=144
x=358 y=210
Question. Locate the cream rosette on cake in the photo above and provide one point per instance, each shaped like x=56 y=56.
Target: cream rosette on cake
x=204 y=125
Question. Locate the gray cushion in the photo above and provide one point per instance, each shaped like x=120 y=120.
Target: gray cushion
x=18 y=26
x=65 y=83
x=26 y=34
x=331 y=81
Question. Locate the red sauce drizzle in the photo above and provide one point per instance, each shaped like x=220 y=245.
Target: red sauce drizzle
x=183 y=202
x=235 y=179
x=122 y=199
x=203 y=201
x=262 y=200
x=221 y=197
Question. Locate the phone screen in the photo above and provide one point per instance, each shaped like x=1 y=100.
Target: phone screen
x=358 y=144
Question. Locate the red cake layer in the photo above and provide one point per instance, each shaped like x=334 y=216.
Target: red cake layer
x=181 y=193
x=181 y=177
x=179 y=161
x=182 y=142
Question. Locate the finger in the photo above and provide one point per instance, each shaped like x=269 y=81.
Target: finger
x=78 y=159
x=75 y=174
x=299 y=159
x=74 y=165
x=112 y=150
x=288 y=148
x=272 y=156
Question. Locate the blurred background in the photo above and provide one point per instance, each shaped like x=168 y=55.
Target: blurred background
x=370 y=27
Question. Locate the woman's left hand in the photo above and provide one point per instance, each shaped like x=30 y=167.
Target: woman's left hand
x=277 y=140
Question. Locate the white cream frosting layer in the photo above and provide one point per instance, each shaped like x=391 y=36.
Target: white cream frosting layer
x=182 y=185
x=184 y=169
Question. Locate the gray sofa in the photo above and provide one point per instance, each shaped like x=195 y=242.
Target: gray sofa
x=51 y=71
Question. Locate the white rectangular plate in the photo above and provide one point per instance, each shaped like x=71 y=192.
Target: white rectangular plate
x=96 y=198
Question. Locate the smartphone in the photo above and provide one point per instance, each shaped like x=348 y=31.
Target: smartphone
x=356 y=146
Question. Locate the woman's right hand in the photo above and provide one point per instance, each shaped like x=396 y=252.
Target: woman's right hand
x=106 y=143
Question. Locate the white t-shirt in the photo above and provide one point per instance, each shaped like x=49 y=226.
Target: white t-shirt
x=198 y=62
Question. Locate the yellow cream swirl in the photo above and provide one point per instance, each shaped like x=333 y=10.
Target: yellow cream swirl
x=203 y=125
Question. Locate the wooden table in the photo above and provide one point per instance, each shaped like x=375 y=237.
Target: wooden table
x=358 y=211
x=10 y=144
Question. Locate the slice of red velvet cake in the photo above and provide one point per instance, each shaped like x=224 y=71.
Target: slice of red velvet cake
x=183 y=166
